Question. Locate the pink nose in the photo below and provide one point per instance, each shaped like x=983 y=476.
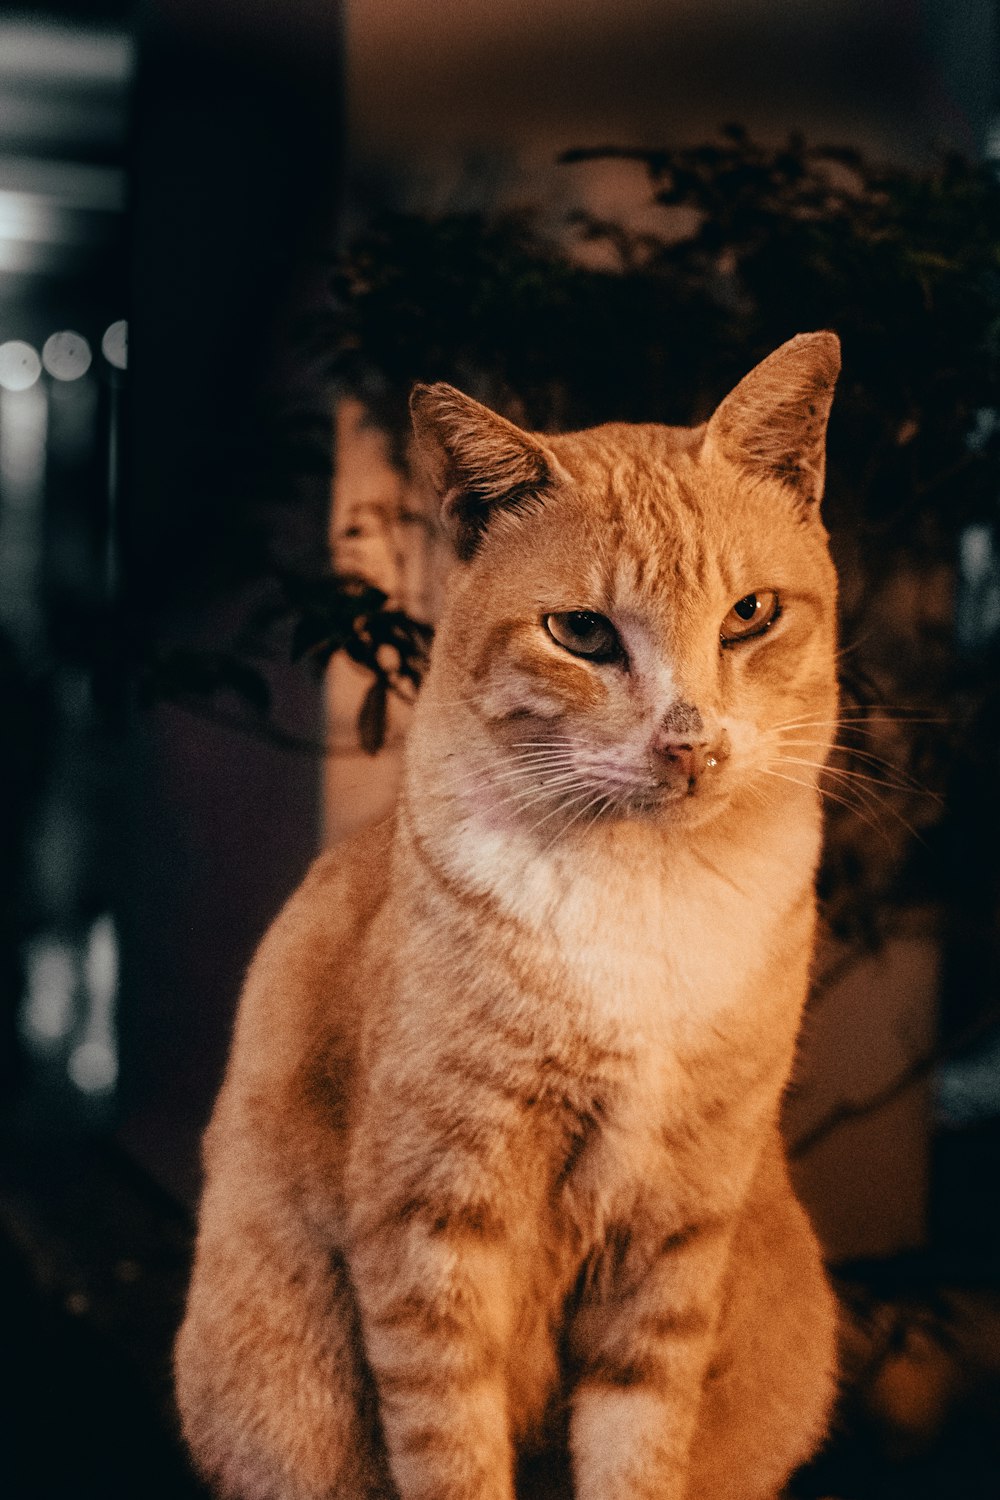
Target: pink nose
x=682 y=761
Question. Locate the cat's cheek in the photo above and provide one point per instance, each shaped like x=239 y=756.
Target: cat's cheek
x=775 y=679
x=516 y=703
x=746 y=739
x=515 y=692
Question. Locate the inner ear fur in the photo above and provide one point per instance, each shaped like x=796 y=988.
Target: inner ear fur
x=477 y=461
x=774 y=422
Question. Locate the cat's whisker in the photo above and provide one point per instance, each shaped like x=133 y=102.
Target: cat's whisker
x=486 y=773
x=602 y=799
x=456 y=702
x=811 y=786
x=549 y=753
x=864 y=799
x=832 y=745
x=561 y=746
x=599 y=763
x=563 y=806
x=521 y=769
x=528 y=795
x=826 y=770
x=908 y=782
x=829 y=795
x=883 y=781
x=849 y=782
x=537 y=771
x=857 y=754
x=525 y=797
x=886 y=774
x=857 y=644
x=846 y=774
x=804 y=720
x=858 y=721
x=757 y=792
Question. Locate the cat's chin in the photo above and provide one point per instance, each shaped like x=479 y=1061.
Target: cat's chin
x=658 y=808
x=677 y=811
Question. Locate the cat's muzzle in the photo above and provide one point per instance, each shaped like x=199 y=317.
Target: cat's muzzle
x=679 y=764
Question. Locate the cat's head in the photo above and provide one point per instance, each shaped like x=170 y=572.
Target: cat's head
x=641 y=619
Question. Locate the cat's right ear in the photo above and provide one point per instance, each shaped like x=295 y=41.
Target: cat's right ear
x=477 y=461
x=774 y=423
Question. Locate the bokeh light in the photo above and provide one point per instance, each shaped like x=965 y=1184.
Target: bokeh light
x=51 y=975
x=114 y=344
x=20 y=365
x=66 y=355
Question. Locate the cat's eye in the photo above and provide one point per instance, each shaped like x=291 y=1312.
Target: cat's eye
x=750 y=616
x=585 y=633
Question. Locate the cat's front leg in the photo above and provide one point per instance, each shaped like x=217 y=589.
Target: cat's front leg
x=642 y=1338
x=434 y=1293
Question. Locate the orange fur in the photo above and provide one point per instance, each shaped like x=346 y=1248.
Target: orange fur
x=496 y=1157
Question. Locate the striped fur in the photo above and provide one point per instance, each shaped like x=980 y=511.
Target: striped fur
x=496 y=1161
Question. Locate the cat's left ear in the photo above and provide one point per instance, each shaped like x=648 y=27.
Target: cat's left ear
x=774 y=422
x=478 y=462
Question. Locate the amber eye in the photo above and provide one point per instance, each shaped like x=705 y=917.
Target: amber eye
x=749 y=616
x=585 y=633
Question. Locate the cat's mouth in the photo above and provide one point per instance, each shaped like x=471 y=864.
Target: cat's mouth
x=677 y=802
x=551 y=783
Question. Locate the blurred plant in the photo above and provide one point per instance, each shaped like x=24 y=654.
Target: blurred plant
x=322 y=615
x=602 y=322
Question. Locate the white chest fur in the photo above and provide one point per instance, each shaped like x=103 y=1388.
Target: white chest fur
x=660 y=929
x=656 y=965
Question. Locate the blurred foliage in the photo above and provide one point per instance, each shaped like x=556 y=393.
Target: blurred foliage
x=756 y=243
x=598 y=322
x=319 y=615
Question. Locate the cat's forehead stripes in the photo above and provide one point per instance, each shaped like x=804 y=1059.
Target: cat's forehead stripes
x=651 y=532
x=668 y=536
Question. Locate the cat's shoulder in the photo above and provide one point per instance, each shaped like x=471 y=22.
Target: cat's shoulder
x=297 y=984
x=341 y=891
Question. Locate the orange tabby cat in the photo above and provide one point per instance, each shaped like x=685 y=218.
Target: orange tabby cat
x=497 y=1153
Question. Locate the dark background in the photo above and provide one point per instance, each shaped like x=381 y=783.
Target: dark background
x=230 y=132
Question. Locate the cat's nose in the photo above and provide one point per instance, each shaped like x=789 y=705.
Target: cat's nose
x=682 y=760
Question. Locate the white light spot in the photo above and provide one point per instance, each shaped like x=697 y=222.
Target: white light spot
x=93 y=1063
x=100 y=964
x=968 y=1088
x=27 y=218
x=51 y=976
x=975 y=549
x=93 y=1067
x=66 y=355
x=20 y=366
x=114 y=344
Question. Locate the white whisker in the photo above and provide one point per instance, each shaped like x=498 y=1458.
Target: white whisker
x=904 y=782
x=883 y=781
x=511 y=773
x=525 y=797
x=602 y=798
x=829 y=795
x=562 y=807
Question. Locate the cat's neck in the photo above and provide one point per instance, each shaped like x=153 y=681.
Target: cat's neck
x=759 y=850
x=655 y=930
